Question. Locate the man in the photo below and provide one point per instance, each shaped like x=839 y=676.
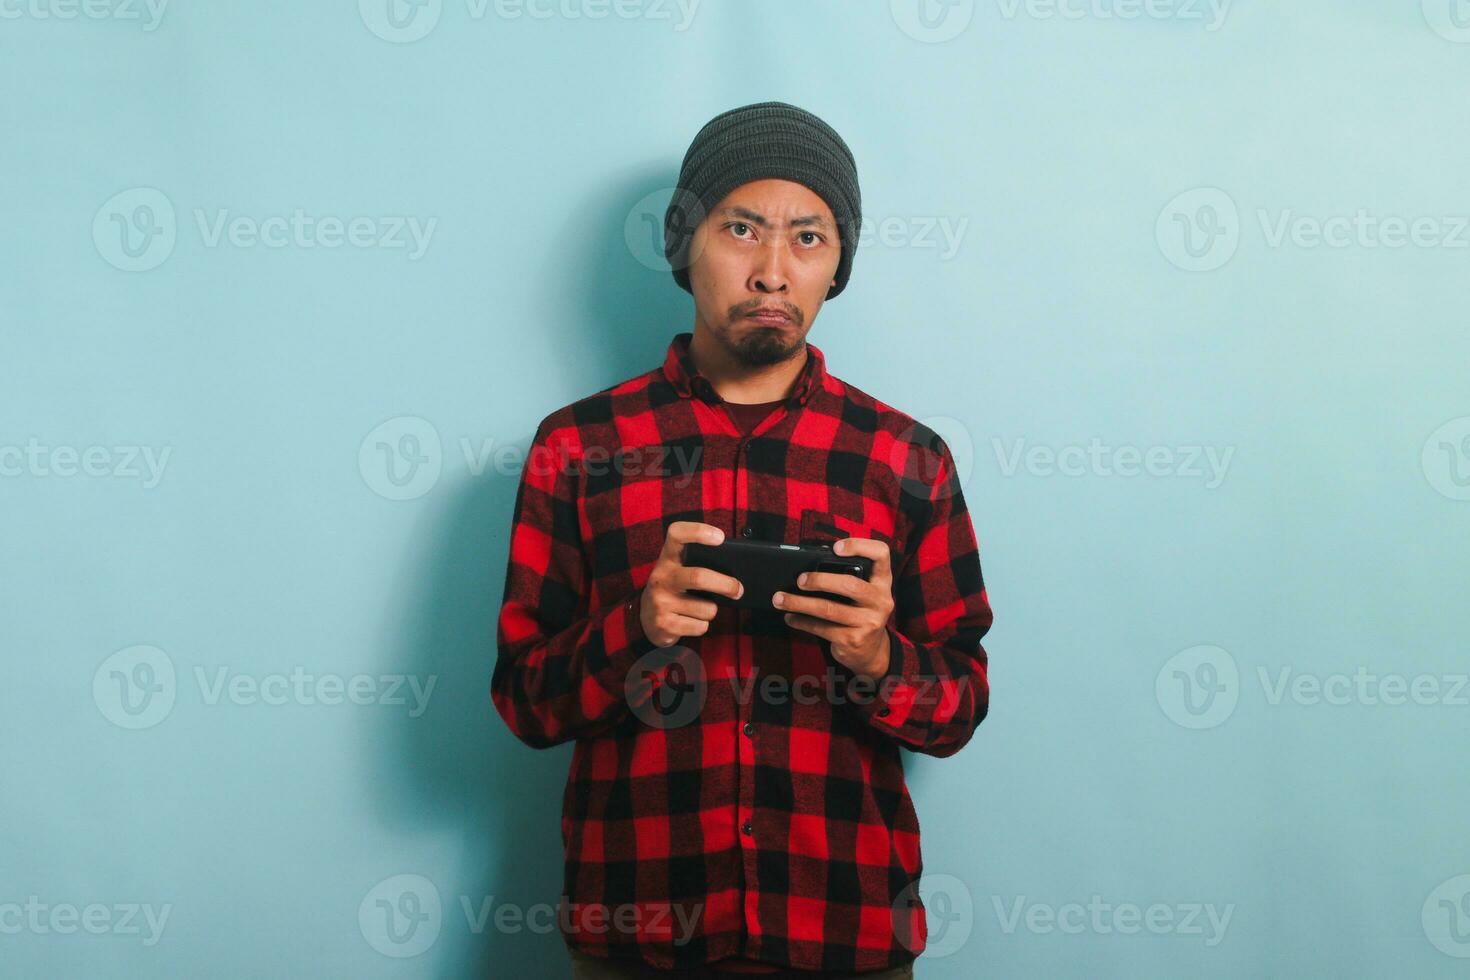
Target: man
x=770 y=832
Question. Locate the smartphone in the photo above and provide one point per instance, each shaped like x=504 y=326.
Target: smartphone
x=767 y=567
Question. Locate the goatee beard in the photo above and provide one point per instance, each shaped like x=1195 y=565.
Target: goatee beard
x=762 y=348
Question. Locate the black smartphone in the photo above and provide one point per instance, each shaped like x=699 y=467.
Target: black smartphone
x=767 y=567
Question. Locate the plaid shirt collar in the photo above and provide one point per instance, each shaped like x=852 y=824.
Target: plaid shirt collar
x=690 y=383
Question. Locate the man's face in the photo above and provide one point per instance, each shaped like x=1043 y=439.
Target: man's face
x=768 y=243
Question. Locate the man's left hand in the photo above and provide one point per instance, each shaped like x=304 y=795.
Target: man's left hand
x=858 y=633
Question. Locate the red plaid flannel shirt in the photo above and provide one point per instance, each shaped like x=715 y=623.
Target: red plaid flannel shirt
x=732 y=795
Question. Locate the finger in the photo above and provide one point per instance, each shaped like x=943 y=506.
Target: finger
x=848 y=585
x=681 y=533
x=882 y=574
x=676 y=627
x=832 y=612
x=694 y=607
x=817 y=627
x=687 y=577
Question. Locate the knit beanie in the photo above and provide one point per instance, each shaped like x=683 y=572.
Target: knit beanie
x=757 y=142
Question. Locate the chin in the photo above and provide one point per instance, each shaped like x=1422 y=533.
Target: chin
x=767 y=345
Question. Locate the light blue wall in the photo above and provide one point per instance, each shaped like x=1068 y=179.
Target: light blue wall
x=1066 y=155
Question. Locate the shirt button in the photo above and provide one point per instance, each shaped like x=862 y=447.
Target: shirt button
x=748 y=532
x=749 y=728
x=747 y=830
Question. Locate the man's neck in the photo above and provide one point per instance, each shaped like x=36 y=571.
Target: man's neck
x=740 y=383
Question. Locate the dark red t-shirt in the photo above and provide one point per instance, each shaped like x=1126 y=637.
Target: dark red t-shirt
x=747 y=417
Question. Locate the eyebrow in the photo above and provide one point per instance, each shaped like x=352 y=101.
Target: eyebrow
x=760 y=221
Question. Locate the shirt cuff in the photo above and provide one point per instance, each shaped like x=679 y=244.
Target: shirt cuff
x=884 y=702
x=631 y=641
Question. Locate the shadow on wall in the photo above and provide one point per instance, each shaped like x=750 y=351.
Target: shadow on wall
x=456 y=772
x=617 y=289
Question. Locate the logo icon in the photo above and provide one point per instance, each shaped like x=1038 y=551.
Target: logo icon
x=932 y=21
x=1446 y=917
x=401 y=916
x=934 y=916
x=667 y=687
x=1199 y=230
x=135 y=687
x=400 y=21
x=1446 y=458
x=644 y=229
x=1450 y=19
x=402 y=458
x=135 y=230
x=915 y=455
x=1198 y=687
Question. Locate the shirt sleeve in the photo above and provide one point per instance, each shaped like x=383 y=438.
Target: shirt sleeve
x=936 y=691
x=562 y=669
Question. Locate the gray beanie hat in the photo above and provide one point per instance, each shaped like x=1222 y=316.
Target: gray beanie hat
x=756 y=142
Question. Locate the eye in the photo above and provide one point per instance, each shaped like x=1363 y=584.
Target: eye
x=814 y=235
x=737 y=225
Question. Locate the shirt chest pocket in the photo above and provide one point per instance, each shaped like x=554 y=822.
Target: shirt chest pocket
x=825 y=527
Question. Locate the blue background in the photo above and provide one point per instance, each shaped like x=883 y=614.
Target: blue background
x=1117 y=185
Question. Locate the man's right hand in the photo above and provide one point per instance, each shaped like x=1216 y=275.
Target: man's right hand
x=667 y=613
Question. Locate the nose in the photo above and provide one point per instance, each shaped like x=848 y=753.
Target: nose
x=769 y=274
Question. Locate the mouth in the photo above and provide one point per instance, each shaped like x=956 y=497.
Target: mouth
x=770 y=317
